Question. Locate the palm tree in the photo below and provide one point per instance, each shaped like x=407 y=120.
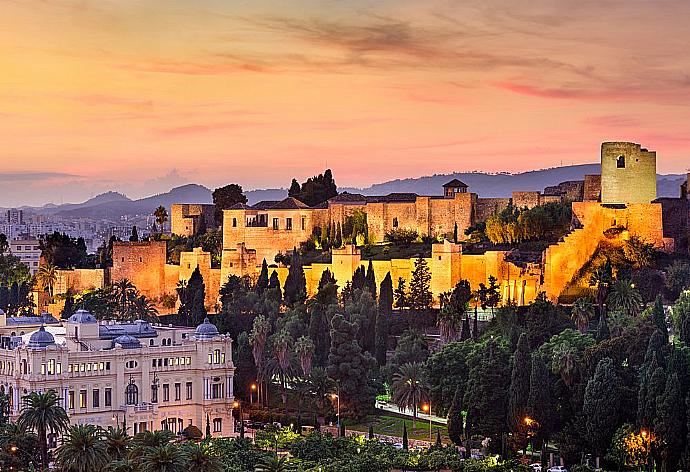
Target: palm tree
x=41 y=412
x=166 y=458
x=123 y=465
x=449 y=320
x=201 y=459
x=257 y=338
x=161 y=215
x=564 y=363
x=125 y=293
x=581 y=313
x=304 y=348
x=601 y=279
x=146 y=440
x=12 y=434
x=117 y=441
x=409 y=388
x=47 y=276
x=281 y=364
x=83 y=449
x=321 y=385
x=145 y=309
x=625 y=298
x=272 y=464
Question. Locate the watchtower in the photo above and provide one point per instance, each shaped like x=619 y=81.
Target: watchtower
x=628 y=173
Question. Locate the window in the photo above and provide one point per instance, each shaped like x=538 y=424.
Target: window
x=189 y=390
x=96 y=398
x=217 y=425
x=166 y=392
x=178 y=392
x=620 y=162
x=70 y=400
x=82 y=398
x=108 y=400
x=395 y=222
x=130 y=364
x=304 y=223
x=234 y=222
x=154 y=392
x=275 y=223
x=288 y=223
x=217 y=390
x=131 y=394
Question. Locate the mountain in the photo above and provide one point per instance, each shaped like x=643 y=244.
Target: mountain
x=116 y=209
x=107 y=197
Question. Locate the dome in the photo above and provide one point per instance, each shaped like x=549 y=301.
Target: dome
x=127 y=342
x=41 y=338
x=206 y=330
x=82 y=316
x=1 y=312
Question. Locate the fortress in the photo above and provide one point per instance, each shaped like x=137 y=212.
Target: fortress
x=619 y=203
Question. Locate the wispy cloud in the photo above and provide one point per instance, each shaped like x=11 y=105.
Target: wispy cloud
x=34 y=176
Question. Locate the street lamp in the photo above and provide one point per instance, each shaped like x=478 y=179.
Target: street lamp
x=238 y=405
x=426 y=408
x=252 y=389
x=336 y=396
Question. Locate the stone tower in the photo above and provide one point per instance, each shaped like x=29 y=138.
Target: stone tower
x=628 y=173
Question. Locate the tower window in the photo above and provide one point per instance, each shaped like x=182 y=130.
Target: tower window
x=620 y=162
x=234 y=222
x=395 y=222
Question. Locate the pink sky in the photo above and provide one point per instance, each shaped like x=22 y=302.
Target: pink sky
x=139 y=96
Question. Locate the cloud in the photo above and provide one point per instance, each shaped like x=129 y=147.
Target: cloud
x=201 y=128
x=34 y=176
x=158 y=65
x=613 y=121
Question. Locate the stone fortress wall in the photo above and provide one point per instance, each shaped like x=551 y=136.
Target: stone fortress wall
x=251 y=234
x=185 y=218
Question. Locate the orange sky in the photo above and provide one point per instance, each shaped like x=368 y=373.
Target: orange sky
x=139 y=96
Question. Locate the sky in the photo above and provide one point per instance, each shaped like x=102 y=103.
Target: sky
x=141 y=96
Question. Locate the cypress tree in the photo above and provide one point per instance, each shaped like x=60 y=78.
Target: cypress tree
x=14 y=296
x=659 y=317
x=4 y=297
x=382 y=319
x=405 y=442
x=439 y=443
x=603 y=332
x=601 y=406
x=540 y=403
x=338 y=242
x=455 y=233
x=519 y=387
x=670 y=423
x=455 y=419
x=274 y=285
x=195 y=296
x=296 y=282
x=134 y=237
x=295 y=189
x=371 y=279
x=359 y=279
x=386 y=295
x=400 y=294
x=262 y=281
x=371 y=432
x=420 y=286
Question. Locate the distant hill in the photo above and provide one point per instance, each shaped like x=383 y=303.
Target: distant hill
x=115 y=209
x=113 y=205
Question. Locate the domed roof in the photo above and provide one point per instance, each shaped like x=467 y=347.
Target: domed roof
x=1 y=312
x=206 y=330
x=82 y=316
x=41 y=338
x=127 y=342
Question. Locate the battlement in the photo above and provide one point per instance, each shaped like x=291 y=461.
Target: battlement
x=628 y=173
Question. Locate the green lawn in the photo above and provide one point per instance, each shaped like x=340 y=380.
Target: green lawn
x=393 y=426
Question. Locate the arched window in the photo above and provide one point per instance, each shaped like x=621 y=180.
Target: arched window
x=395 y=222
x=620 y=162
x=131 y=394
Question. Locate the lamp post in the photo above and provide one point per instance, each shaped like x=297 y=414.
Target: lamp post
x=336 y=396
x=426 y=408
x=252 y=389
x=238 y=405
x=647 y=438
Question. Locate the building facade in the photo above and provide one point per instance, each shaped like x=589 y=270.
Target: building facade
x=136 y=375
x=28 y=251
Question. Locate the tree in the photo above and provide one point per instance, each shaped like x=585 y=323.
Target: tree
x=371 y=279
x=314 y=190
x=540 y=403
x=455 y=418
x=295 y=189
x=670 y=424
x=145 y=309
x=280 y=364
x=192 y=299
x=63 y=251
x=405 y=442
x=41 y=412
x=400 y=294
x=601 y=406
x=272 y=463
x=410 y=388
x=47 y=276
x=601 y=279
x=296 y=283
x=455 y=232
x=258 y=338
x=304 y=348
x=518 y=394
x=454 y=306
x=628 y=448
x=124 y=292
x=420 y=286
x=262 y=281
x=625 y=298
x=134 y=237
x=201 y=459
x=274 y=285
x=581 y=313
x=83 y=449
x=603 y=332
x=161 y=215
x=224 y=198
x=382 y=319
x=350 y=367
x=677 y=278
x=4 y=245
x=164 y=458
x=659 y=316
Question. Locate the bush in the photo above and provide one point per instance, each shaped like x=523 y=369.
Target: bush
x=401 y=237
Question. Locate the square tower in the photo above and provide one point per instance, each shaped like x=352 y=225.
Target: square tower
x=628 y=173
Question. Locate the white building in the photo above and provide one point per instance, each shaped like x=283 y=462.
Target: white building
x=28 y=251
x=135 y=374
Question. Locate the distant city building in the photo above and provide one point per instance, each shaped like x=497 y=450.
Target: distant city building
x=28 y=251
x=137 y=375
x=14 y=216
